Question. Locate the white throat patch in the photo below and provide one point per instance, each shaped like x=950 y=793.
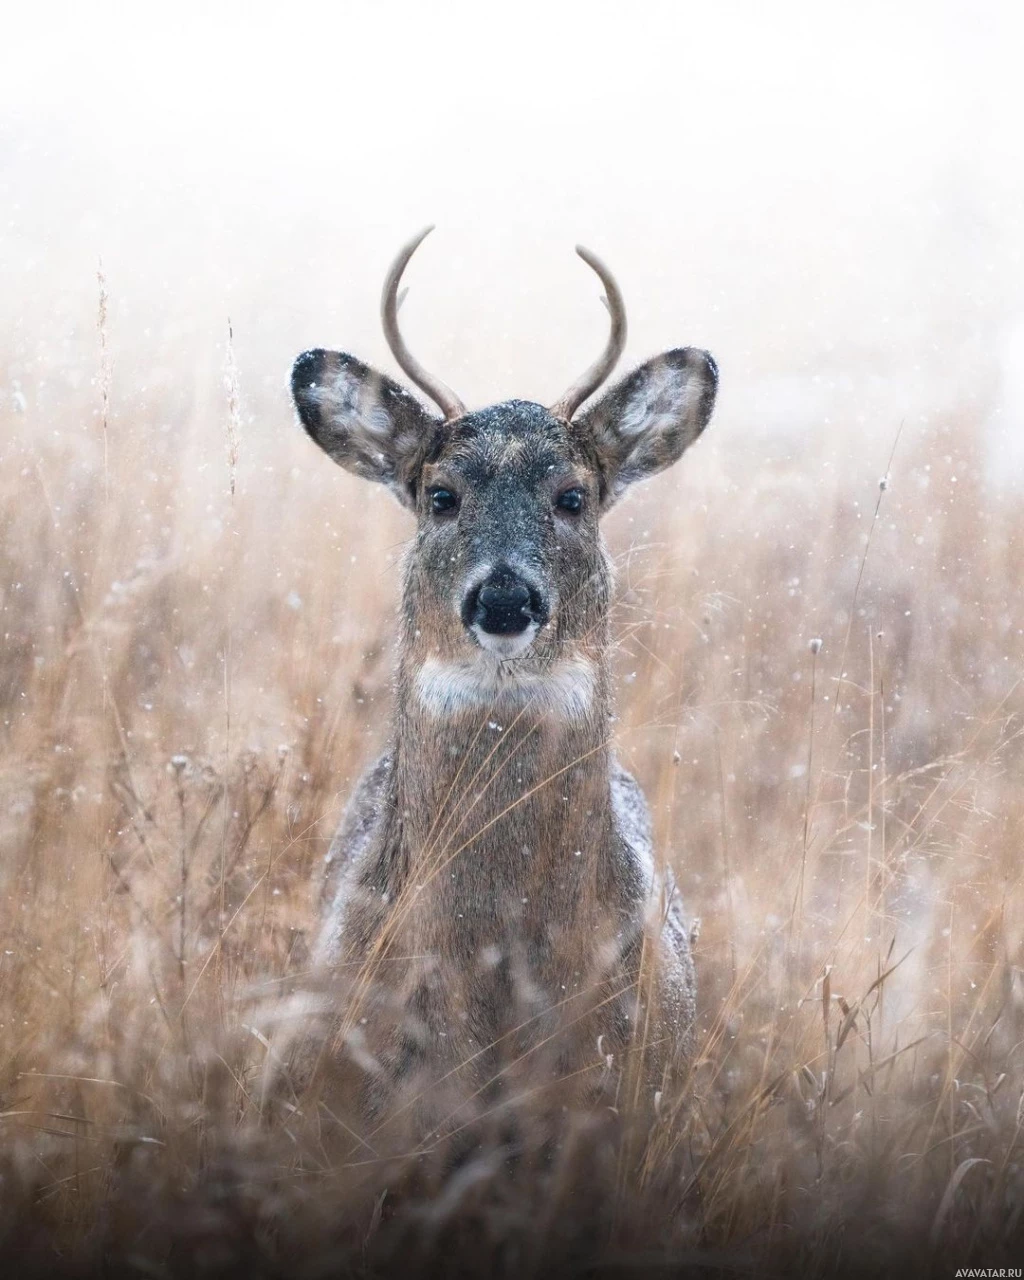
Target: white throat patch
x=564 y=689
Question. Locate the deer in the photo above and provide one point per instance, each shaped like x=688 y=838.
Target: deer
x=492 y=892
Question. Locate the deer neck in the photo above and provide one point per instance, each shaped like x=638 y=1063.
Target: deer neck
x=503 y=784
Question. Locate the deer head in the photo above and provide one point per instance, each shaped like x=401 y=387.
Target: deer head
x=508 y=564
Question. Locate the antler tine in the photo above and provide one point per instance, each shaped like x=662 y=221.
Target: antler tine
x=439 y=392
x=567 y=404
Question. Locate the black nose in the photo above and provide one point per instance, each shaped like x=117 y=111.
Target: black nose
x=504 y=605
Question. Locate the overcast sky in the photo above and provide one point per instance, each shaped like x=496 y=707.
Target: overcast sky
x=818 y=193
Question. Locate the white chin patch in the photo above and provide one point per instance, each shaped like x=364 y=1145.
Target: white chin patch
x=505 y=646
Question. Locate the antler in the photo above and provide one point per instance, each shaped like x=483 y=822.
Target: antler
x=567 y=404
x=442 y=395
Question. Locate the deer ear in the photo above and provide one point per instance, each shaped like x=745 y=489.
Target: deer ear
x=645 y=422
x=360 y=418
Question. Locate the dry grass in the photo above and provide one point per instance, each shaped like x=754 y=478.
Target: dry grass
x=195 y=619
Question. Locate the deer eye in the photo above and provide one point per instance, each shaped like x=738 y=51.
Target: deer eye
x=570 y=500
x=442 y=501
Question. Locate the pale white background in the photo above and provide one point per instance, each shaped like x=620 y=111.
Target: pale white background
x=827 y=196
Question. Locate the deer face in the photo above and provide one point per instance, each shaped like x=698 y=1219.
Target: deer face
x=508 y=545
x=508 y=562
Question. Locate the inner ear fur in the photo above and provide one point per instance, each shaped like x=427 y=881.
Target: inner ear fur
x=646 y=421
x=362 y=419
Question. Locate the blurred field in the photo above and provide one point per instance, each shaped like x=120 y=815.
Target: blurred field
x=196 y=616
x=192 y=678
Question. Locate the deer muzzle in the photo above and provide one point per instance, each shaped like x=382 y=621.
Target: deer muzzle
x=504 y=611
